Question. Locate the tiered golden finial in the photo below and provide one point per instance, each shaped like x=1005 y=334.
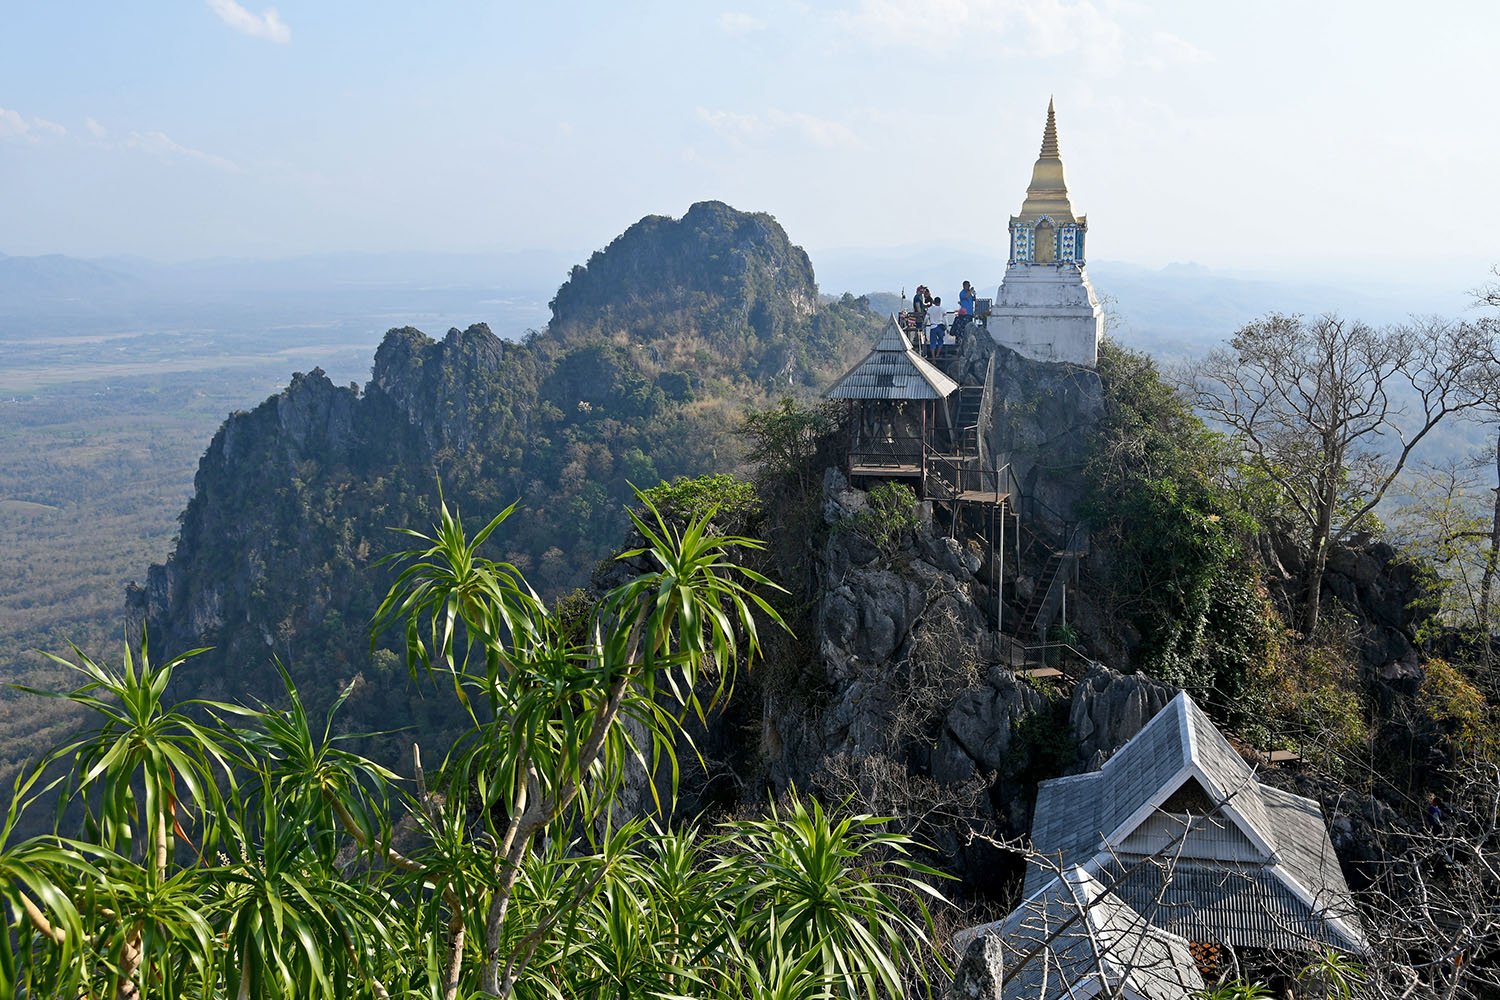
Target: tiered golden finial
x=1049 y=134
x=1048 y=193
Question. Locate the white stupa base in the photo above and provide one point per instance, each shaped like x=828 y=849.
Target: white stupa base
x=1048 y=312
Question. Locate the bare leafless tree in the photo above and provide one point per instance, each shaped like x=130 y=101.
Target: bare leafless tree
x=1433 y=917
x=1450 y=523
x=1329 y=411
x=1489 y=411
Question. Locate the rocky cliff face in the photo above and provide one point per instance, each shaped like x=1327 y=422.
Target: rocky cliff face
x=908 y=714
x=656 y=347
x=235 y=521
x=902 y=703
x=1042 y=425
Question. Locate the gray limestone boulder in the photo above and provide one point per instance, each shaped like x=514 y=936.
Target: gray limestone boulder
x=981 y=971
x=978 y=729
x=1110 y=707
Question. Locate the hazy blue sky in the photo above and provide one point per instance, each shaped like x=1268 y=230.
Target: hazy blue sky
x=1270 y=135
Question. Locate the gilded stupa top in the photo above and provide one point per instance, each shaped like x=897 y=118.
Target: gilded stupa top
x=1048 y=193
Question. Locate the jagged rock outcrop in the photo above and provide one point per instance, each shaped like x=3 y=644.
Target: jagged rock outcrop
x=1387 y=596
x=1109 y=708
x=980 y=973
x=979 y=728
x=910 y=697
x=443 y=388
x=308 y=426
x=658 y=343
x=873 y=616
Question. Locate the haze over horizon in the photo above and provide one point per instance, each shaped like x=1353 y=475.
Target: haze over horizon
x=1307 y=138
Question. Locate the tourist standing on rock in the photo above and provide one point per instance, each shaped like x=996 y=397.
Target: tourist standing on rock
x=935 y=327
x=966 y=299
x=920 y=301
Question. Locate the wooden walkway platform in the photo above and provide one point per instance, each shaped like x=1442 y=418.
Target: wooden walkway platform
x=903 y=471
x=981 y=496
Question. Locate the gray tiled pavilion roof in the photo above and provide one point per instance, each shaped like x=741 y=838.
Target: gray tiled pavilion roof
x=1075 y=940
x=1258 y=871
x=892 y=370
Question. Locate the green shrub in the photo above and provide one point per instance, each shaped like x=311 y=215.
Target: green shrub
x=1182 y=571
x=732 y=500
x=890 y=513
x=1460 y=708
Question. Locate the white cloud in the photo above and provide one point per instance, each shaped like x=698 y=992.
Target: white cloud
x=269 y=25
x=1101 y=32
x=12 y=125
x=16 y=126
x=1166 y=49
x=164 y=147
x=752 y=129
x=905 y=22
x=1055 y=27
x=734 y=22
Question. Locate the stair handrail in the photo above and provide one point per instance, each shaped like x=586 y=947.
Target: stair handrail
x=1029 y=650
x=940 y=463
x=1067 y=567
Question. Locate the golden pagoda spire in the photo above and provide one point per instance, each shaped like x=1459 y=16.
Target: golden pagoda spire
x=1048 y=193
x=1049 y=134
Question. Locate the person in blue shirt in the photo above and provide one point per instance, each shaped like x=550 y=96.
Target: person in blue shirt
x=965 y=311
x=966 y=298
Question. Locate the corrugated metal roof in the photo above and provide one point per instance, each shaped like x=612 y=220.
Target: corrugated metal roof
x=1073 y=939
x=1243 y=906
x=892 y=370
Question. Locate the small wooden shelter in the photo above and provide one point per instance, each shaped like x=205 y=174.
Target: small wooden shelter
x=897 y=399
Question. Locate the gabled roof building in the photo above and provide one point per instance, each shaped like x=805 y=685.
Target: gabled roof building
x=1178 y=823
x=897 y=399
x=1179 y=832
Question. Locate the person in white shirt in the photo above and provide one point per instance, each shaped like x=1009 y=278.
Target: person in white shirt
x=935 y=327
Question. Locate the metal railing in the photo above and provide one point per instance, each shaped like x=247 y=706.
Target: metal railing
x=1019 y=656
x=949 y=478
x=891 y=452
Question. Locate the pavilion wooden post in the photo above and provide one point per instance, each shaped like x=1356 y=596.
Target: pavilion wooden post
x=853 y=438
x=923 y=459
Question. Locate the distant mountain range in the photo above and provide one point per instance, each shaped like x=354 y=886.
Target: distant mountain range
x=1171 y=311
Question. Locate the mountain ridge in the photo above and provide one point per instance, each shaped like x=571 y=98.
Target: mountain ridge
x=657 y=346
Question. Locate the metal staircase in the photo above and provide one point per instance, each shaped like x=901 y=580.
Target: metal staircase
x=966 y=418
x=1061 y=569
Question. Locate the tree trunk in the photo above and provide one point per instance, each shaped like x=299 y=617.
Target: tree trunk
x=1317 y=560
x=456 y=933
x=130 y=963
x=1487 y=582
x=1312 y=587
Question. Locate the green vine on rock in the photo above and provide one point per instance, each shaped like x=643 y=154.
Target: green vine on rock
x=889 y=516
